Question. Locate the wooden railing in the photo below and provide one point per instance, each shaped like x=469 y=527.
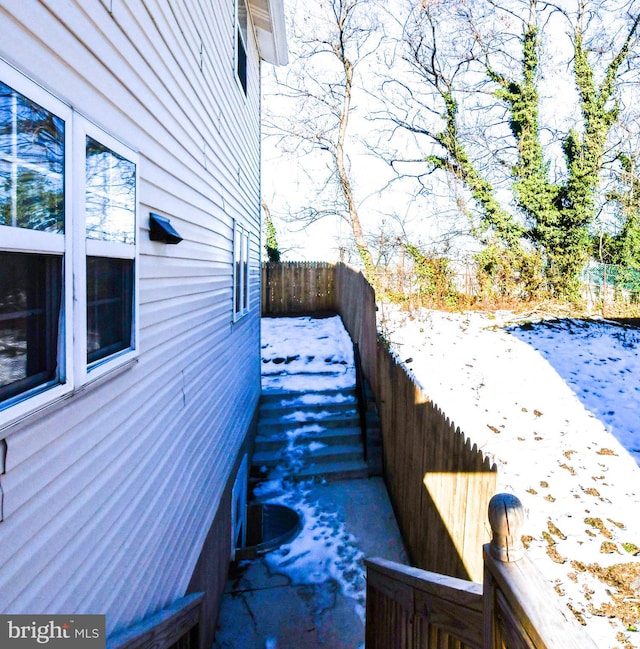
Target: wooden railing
x=175 y=627
x=409 y=608
x=515 y=608
x=521 y=609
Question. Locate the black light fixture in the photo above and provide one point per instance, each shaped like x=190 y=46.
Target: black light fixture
x=160 y=229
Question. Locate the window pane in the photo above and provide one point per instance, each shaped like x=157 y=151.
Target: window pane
x=31 y=164
x=241 y=68
x=237 y=260
x=245 y=271
x=30 y=289
x=241 y=44
x=109 y=306
x=110 y=195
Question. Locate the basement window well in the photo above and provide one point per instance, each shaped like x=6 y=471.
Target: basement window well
x=268 y=527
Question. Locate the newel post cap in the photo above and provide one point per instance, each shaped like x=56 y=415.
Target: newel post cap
x=506 y=516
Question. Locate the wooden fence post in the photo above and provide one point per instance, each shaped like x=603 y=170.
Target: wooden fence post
x=521 y=608
x=506 y=517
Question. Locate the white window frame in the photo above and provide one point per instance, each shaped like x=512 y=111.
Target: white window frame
x=239 y=508
x=88 y=372
x=241 y=32
x=241 y=272
x=32 y=241
x=73 y=370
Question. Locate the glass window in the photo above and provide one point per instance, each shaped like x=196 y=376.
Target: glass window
x=110 y=219
x=110 y=194
x=237 y=270
x=241 y=44
x=109 y=306
x=31 y=164
x=30 y=299
x=245 y=272
x=240 y=272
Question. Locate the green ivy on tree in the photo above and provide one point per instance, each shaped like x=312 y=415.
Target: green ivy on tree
x=271 y=244
x=542 y=240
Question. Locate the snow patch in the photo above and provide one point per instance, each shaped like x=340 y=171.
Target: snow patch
x=555 y=405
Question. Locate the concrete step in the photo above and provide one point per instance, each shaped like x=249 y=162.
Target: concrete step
x=334 y=471
x=323 y=455
x=326 y=419
x=333 y=395
x=299 y=418
x=274 y=409
x=329 y=471
x=330 y=436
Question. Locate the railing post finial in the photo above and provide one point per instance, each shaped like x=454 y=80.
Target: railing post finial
x=506 y=516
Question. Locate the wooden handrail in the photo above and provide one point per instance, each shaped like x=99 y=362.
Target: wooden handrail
x=515 y=608
x=446 y=605
x=164 y=628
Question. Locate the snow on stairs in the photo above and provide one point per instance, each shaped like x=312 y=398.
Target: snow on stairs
x=309 y=435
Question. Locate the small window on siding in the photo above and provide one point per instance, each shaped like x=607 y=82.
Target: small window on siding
x=240 y=272
x=241 y=43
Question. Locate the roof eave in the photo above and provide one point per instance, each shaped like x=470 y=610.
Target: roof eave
x=272 y=41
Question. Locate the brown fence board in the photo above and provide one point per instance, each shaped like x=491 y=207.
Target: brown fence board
x=296 y=288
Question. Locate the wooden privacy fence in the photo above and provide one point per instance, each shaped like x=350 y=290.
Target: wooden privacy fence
x=514 y=609
x=356 y=304
x=437 y=481
x=294 y=288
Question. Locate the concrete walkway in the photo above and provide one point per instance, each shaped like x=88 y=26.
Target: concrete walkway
x=310 y=592
x=268 y=606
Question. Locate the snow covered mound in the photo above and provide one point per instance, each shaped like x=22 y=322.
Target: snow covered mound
x=555 y=405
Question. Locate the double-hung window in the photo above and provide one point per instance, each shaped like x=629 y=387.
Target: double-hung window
x=67 y=248
x=240 y=272
x=34 y=237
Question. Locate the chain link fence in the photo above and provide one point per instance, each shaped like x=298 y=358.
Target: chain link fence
x=609 y=282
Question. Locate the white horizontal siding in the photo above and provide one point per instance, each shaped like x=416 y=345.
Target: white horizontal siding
x=108 y=499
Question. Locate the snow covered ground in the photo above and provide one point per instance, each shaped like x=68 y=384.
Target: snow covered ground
x=555 y=404
x=310 y=355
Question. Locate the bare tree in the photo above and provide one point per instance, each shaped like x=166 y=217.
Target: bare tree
x=330 y=41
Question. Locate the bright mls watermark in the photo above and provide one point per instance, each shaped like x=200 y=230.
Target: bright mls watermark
x=52 y=631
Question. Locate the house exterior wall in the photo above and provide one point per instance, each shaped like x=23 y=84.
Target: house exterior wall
x=109 y=493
